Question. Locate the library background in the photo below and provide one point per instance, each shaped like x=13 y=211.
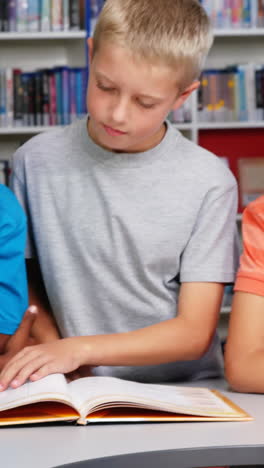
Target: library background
x=44 y=72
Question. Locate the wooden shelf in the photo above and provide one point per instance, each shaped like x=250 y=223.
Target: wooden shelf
x=50 y=35
x=239 y=32
x=26 y=130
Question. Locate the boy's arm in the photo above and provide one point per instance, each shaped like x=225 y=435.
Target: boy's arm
x=244 y=355
x=44 y=328
x=185 y=337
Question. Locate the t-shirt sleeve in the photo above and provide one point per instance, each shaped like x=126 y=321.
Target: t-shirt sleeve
x=250 y=277
x=13 y=282
x=212 y=252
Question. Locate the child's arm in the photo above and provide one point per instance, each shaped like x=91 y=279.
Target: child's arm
x=245 y=345
x=185 y=337
x=44 y=328
x=244 y=356
x=21 y=338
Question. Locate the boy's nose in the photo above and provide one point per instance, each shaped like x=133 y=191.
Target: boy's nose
x=120 y=111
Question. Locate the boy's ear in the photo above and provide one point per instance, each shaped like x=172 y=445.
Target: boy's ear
x=90 y=48
x=185 y=94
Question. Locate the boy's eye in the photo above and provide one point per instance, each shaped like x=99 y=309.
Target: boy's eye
x=104 y=88
x=146 y=106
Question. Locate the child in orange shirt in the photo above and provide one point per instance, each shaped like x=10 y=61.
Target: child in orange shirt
x=244 y=356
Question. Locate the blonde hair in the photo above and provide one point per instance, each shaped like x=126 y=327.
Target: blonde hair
x=176 y=33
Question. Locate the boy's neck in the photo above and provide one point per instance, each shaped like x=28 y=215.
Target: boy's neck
x=151 y=143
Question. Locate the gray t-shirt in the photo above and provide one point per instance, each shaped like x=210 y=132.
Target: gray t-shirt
x=116 y=233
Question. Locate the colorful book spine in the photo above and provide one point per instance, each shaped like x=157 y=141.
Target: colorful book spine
x=45 y=17
x=65 y=96
x=56 y=15
x=74 y=9
x=52 y=97
x=45 y=101
x=18 y=98
x=4 y=16
x=11 y=9
x=22 y=10
x=33 y=16
x=2 y=98
x=66 y=15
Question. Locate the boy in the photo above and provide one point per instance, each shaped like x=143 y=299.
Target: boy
x=245 y=344
x=13 y=282
x=123 y=209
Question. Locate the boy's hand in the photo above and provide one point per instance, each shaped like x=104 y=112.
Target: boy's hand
x=21 y=337
x=36 y=362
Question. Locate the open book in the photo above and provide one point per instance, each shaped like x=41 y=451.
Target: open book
x=108 y=399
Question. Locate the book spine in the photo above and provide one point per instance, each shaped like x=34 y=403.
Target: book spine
x=22 y=10
x=11 y=8
x=74 y=14
x=52 y=95
x=65 y=96
x=259 y=93
x=87 y=17
x=66 y=15
x=31 y=100
x=56 y=15
x=2 y=98
x=38 y=98
x=33 y=16
x=45 y=105
x=45 y=20
x=24 y=82
x=73 y=112
x=9 y=97
x=18 y=98
x=4 y=16
x=247 y=20
x=58 y=84
x=78 y=82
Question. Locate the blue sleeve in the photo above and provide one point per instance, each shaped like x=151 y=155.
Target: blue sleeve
x=13 y=282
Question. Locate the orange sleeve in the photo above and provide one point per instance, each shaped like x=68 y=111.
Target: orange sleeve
x=250 y=277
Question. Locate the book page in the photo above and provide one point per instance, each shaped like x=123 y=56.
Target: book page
x=51 y=388
x=91 y=392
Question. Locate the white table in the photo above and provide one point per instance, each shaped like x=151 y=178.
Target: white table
x=162 y=445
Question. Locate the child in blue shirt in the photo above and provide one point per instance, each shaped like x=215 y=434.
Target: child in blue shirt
x=13 y=283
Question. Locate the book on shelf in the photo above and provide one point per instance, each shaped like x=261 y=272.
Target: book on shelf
x=42 y=15
x=232 y=94
x=54 y=96
x=251 y=179
x=110 y=400
x=235 y=13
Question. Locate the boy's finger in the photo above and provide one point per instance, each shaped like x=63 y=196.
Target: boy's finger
x=20 y=338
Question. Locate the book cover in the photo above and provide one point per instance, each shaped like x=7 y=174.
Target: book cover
x=110 y=400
